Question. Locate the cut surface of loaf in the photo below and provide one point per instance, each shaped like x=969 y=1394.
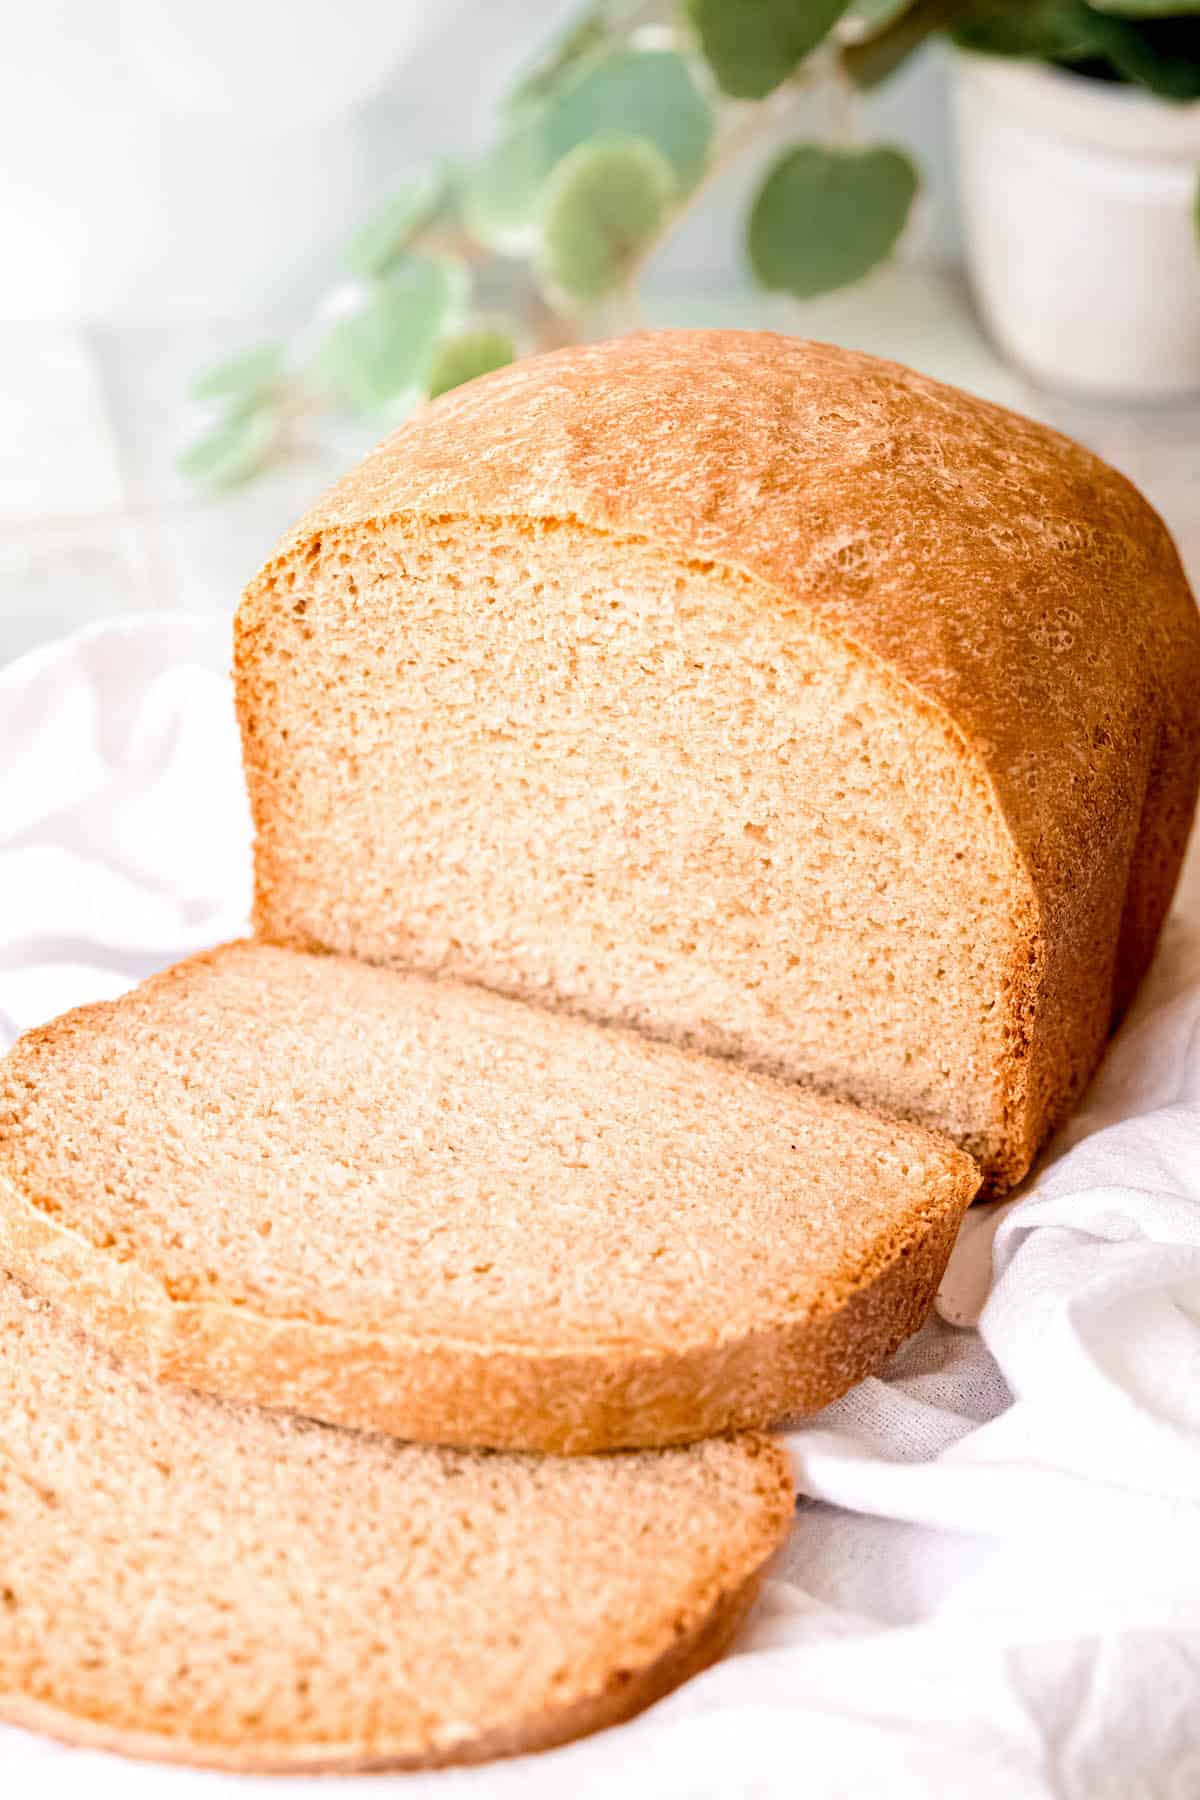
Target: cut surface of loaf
x=761 y=695
x=184 y=1579
x=415 y=1206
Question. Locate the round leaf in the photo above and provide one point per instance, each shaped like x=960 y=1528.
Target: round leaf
x=1048 y=30
x=587 y=33
x=605 y=204
x=636 y=93
x=249 y=376
x=382 y=352
x=753 y=46
x=501 y=192
x=824 y=218
x=1147 y=9
x=233 y=451
x=468 y=354
x=379 y=244
x=1162 y=55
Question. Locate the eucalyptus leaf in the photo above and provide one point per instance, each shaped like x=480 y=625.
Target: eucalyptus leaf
x=379 y=244
x=468 y=354
x=233 y=451
x=639 y=93
x=587 y=33
x=500 y=193
x=382 y=352
x=755 y=45
x=648 y=94
x=824 y=218
x=250 y=375
x=870 y=61
x=1162 y=55
x=605 y=204
x=1147 y=9
x=1049 y=30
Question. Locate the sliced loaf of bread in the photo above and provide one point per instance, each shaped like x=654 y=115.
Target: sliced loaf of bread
x=758 y=694
x=414 y=1206
x=184 y=1579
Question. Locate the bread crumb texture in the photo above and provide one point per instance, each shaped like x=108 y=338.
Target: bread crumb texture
x=181 y=1578
x=763 y=696
x=414 y=1205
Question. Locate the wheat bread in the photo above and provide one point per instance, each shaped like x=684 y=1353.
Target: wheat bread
x=761 y=695
x=184 y=1579
x=418 y=1207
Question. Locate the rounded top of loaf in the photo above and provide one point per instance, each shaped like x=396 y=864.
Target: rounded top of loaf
x=1001 y=571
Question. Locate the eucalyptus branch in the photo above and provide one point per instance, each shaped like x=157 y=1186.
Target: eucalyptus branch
x=613 y=136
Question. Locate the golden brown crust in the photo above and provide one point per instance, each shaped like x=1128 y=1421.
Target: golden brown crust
x=1008 y=579
x=701 y=1641
x=493 y=1396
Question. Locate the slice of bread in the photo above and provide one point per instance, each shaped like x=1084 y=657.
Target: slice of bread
x=184 y=1579
x=757 y=694
x=418 y=1207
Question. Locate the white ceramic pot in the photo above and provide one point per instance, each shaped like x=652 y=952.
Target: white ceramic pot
x=1079 y=208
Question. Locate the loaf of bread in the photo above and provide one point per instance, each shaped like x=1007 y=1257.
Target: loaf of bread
x=760 y=695
x=189 y=1580
x=413 y=1206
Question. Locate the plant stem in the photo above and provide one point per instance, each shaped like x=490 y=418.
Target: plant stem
x=550 y=330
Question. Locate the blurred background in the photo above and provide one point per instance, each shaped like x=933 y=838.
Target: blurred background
x=240 y=241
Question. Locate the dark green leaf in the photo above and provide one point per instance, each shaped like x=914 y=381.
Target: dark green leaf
x=605 y=203
x=871 y=60
x=640 y=93
x=382 y=352
x=466 y=355
x=1049 y=30
x=824 y=218
x=379 y=244
x=1147 y=9
x=752 y=46
x=233 y=451
x=1162 y=55
x=250 y=375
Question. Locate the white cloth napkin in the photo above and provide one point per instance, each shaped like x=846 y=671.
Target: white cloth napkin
x=993 y=1585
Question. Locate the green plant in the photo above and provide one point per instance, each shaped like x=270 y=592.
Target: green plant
x=605 y=142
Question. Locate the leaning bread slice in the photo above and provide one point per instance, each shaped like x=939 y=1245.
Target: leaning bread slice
x=182 y=1578
x=413 y=1206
